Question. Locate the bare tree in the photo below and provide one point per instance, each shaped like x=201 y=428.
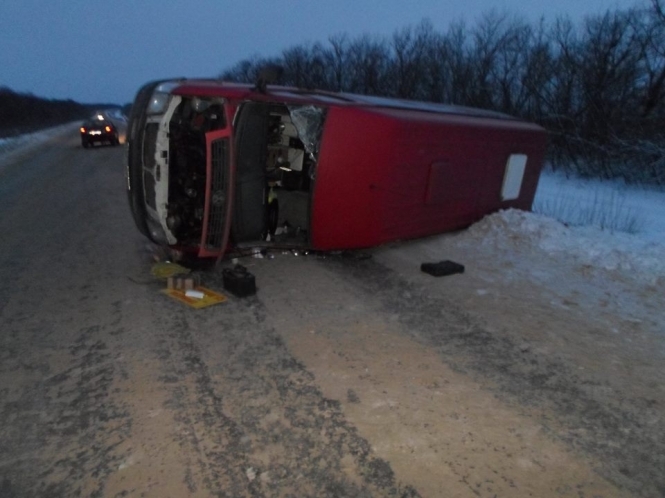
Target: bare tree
x=598 y=86
x=653 y=38
x=296 y=62
x=458 y=65
x=508 y=72
x=539 y=75
x=409 y=62
x=495 y=57
x=610 y=60
x=368 y=58
x=337 y=62
x=245 y=71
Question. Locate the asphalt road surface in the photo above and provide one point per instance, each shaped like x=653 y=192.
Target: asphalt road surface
x=342 y=377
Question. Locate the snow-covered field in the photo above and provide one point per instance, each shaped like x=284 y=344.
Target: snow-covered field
x=580 y=219
x=584 y=210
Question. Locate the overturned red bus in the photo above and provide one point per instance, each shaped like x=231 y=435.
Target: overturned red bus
x=213 y=166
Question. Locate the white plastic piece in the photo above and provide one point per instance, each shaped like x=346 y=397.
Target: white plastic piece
x=512 y=178
x=195 y=294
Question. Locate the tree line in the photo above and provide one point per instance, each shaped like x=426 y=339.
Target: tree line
x=24 y=113
x=598 y=85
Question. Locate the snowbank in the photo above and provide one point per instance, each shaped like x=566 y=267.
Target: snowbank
x=635 y=256
x=21 y=141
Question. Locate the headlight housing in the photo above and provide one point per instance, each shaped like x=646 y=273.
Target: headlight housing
x=158 y=103
x=160 y=97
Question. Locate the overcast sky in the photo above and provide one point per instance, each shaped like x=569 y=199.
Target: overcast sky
x=95 y=51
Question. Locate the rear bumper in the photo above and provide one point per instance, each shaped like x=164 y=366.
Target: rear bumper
x=98 y=136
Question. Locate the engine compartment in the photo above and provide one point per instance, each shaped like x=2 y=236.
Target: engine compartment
x=192 y=119
x=275 y=155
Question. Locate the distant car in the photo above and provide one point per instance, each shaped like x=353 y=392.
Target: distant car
x=107 y=126
x=216 y=166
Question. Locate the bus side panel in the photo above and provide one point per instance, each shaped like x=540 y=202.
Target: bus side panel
x=386 y=175
x=451 y=172
x=347 y=199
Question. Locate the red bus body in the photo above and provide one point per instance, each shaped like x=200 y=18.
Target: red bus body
x=381 y=169
x=387 y=174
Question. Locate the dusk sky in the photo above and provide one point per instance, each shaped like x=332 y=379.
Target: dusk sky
x=98 y=51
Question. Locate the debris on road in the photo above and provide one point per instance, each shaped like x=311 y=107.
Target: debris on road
x=167 y=269
x=239 y=281
x=207 y=297
x=183 y=283
x=196 y=294
x=442 y=268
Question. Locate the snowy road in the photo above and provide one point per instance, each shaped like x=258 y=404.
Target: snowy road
x=534 y=373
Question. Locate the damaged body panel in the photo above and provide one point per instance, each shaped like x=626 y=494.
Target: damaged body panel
x=213 y=165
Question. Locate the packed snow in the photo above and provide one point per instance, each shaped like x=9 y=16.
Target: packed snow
x=28 y=140
x=590 y=246
x=582 y=232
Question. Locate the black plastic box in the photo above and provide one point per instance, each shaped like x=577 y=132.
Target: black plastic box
x=238 y=281
x=442 y=268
